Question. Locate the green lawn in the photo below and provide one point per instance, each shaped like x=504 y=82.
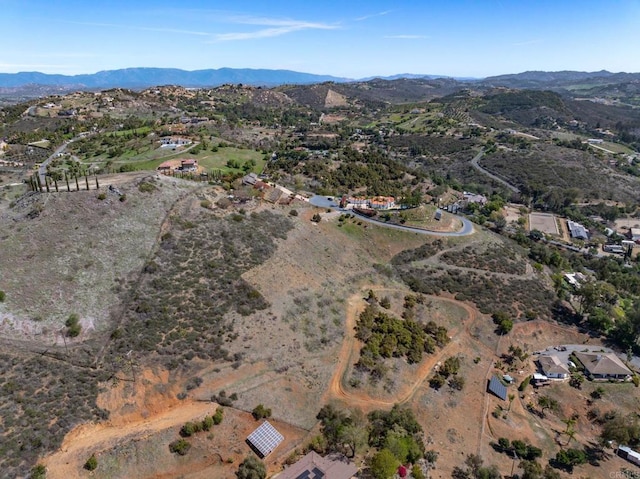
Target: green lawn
x=141 y=131
x=616 y=147
x=207 y=159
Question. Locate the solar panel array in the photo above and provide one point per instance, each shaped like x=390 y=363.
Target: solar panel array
x=265 y=439
x=497 y=388
x=317 y=474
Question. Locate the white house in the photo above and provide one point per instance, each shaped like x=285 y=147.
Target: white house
x=552 y=367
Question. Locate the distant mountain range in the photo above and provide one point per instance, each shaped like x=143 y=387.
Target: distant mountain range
x=38 y=83
x=146 y=77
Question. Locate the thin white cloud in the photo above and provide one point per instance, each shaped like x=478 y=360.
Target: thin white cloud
x=278 y=27
x=141 y=28
x=407 y=37
x=367 y=17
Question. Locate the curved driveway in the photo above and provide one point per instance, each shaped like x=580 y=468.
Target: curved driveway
x=325 y=202
x=475 y=164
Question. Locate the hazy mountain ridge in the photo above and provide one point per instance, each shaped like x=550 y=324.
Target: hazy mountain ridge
x=146 y=77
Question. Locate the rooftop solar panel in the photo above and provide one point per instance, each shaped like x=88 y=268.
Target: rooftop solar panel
x=497 y=388
x=265 y=439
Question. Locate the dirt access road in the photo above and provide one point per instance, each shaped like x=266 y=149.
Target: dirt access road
x=87 y=438
x=350 y=349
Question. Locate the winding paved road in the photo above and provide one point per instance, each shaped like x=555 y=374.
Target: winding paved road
x=42 y=171
x=326 y=202
x=475 y=164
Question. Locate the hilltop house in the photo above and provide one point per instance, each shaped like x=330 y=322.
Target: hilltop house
x=174 y=141
x=382 y=202
x=552 y=367
x=165 y=167
x=188 y=165
x=634 y=234
x=604 y=366
x=375 y=203
x=470 y=198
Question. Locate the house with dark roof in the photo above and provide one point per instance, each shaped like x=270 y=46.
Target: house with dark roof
x=604 y=366
x=552 y=367
x=314 y=466
x=577 y=231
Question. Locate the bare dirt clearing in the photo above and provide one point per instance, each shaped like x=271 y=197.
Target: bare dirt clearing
x=136 y=443
x=543 y=222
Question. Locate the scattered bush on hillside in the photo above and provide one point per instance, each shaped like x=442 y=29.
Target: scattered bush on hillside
x=251 y=468
x=92 y=463
x=224 y=400
x=260 y=412
x=3 y=296
x=38 y=472
x=567 y=459
x=73 y=325
x=503 y=322
x=217 y=417
x=525 y=382
x=180 y=446
x=147 y=187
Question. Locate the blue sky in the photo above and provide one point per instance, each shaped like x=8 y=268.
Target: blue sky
x=346 y=38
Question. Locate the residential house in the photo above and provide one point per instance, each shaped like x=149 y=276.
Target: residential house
x=474 y=198
x=250 y=179
x=314 y=466
x=165 y=167
x=604 y=366
x=552 y=367
x=174 y=141
x=577 y=231
x=575 y=279
x=382 y=202
x=189 y=165
x=634 y=234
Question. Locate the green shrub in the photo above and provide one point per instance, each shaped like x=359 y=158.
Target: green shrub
x=146 y=187
x=3 y=296
x=260 y=412
x=293 y=212
x=73 y=325
x=38 y=472
x=190 y=428
x=102 y=196
x=92 y=463
x=206 y=204
x=180 y=446
x=524 y=384
x=251 y=468
x=217 y=417
x=207 y=423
